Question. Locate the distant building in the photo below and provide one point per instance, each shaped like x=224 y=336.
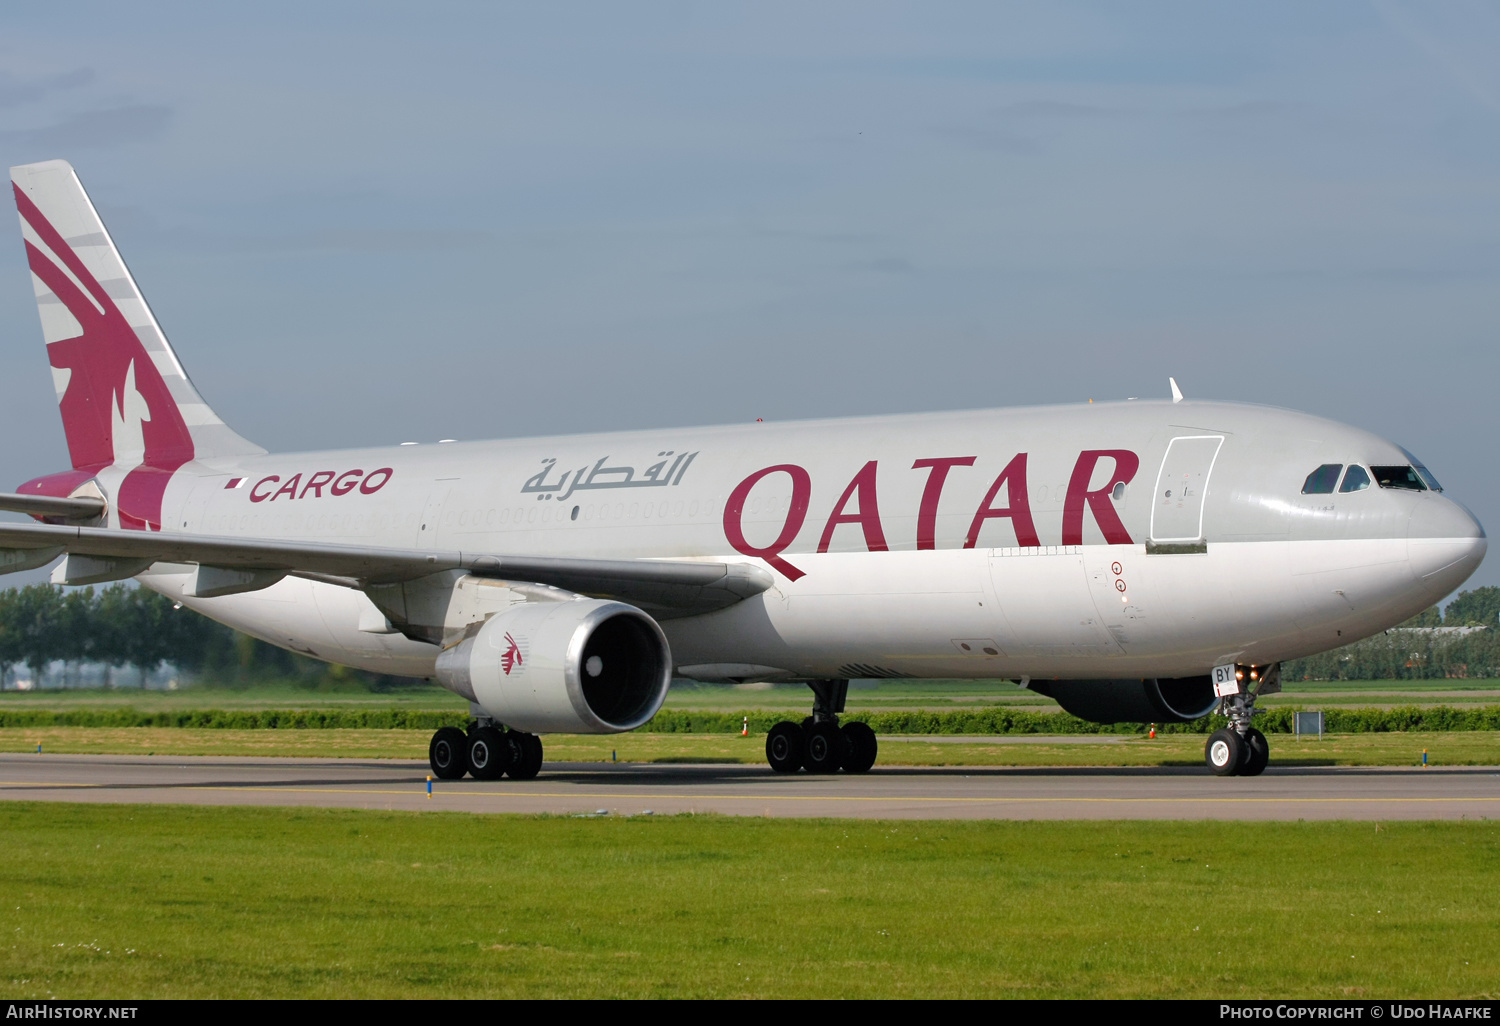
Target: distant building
x=1452 y=632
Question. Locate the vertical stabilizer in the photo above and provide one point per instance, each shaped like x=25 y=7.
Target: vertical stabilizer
x=125 y=399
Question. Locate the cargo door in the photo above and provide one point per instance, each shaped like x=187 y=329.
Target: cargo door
x=1045 y=600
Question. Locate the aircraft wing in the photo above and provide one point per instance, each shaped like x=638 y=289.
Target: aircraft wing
x=665 y=588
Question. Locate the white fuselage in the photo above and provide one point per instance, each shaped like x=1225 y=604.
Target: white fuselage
x=1136 y=539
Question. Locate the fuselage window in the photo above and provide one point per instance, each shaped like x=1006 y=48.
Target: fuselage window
x=1355 y=479
x=1398 y=477
x=1322 y=480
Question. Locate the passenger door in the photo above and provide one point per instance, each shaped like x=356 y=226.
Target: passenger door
x=1181 y=486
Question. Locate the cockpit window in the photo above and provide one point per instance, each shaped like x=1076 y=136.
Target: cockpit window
x=1355 y=479
x=1322 y=480
x=1398 y=477
x=1423 y=472
x=1426 y=476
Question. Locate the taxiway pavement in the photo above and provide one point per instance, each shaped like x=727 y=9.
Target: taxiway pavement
x=891 y=792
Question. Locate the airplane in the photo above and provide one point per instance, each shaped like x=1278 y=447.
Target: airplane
x=1137 y=561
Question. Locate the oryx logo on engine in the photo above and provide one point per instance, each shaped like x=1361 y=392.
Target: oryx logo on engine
x=512 y=655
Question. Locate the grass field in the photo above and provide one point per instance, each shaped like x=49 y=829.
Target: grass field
x=160 y=902
x=1465 y=748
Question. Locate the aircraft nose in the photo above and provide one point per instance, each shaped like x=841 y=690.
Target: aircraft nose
x=1444 y=542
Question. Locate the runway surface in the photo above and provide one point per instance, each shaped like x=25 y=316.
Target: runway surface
x=895 y=792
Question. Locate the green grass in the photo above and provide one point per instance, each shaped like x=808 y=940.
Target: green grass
x=864 y=696
x=1455 y=748
x=192 y=902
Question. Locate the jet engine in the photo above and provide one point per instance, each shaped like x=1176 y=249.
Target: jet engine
x=1133 y=701
x=584 y=666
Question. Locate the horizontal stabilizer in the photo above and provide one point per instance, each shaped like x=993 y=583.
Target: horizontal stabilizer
x=79 y=508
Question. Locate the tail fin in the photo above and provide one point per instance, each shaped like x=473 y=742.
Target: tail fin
x=124 y=396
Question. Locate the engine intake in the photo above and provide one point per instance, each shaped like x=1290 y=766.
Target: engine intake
x=1176 y=700
x=580 y=667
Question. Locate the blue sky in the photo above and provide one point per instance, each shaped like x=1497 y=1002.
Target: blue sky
x=364 y=223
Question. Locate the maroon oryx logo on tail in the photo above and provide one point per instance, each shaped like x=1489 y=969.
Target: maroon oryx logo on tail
x=116 y=408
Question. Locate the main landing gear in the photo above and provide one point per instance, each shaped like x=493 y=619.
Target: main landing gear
x=818 y=744
x=486 y=751
x=1239 y=750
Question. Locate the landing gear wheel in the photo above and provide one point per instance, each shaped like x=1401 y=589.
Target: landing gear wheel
x=489 y=754
x=860 y=747
x=1257 y=754
x=1223 y=752
x=784 y=747
x=448 y=754
x=528 y=762
x=824 y=749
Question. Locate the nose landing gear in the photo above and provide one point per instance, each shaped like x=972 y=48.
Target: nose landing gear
x=818 y=744
x=1239 y=750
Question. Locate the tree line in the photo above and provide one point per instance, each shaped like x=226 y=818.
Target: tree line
x=122 y=625
x=1405 y=653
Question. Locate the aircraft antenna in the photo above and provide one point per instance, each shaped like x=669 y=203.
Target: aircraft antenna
x=1176 y=392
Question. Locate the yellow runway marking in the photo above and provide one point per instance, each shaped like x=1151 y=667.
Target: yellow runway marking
x=640 y=796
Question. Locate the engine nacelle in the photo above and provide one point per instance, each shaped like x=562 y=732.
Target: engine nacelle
x=1133 y=701
x=580 y=667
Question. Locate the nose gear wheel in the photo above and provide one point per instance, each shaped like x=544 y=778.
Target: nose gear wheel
x=1224 y=750
x=1240 y=750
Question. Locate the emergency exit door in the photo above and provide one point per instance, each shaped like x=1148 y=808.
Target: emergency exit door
x=1181 y=486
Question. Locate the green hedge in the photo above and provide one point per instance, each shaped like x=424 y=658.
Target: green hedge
x=1006 y=721
x=252 y=719
x=674 y=721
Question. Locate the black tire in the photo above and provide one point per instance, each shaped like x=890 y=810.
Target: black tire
x=489 y=754
x=448 y=754
x=529 y=764
x=860 y=747
x=784 y=747
x=1223 y=752
x=1257 y=754
x=824 y=748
